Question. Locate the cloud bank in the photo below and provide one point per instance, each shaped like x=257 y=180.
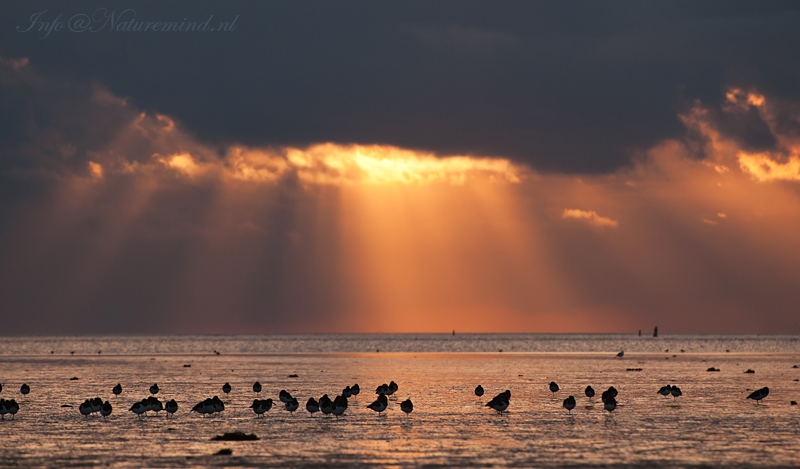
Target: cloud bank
x=564 y=87
x=120 y=219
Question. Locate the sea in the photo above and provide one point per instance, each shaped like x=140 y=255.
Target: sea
x=712 y=424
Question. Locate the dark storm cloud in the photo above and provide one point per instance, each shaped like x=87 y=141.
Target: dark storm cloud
x=564 y=86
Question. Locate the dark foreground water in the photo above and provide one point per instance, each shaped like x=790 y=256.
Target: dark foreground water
x=711 y=425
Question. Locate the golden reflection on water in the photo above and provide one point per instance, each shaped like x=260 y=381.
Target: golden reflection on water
x=711 y=424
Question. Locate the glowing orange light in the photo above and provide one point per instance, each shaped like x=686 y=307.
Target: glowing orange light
x=764 y=168
x=96 y=170
x=590 y=216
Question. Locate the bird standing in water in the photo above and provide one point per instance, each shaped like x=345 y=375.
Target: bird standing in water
x=292 y=405
x=105 y=409
x=759 y=394
x=569 y=404
x=500 y=402
x=380 y=403
x=312 y=406
x=407 y=406
x=171 y=407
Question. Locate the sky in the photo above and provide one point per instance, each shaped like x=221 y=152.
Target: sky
x=560 y=166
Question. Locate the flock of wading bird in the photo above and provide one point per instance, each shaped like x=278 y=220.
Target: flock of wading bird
x=336 y=407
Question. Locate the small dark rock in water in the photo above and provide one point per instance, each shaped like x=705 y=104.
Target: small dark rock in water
x=293 y=376
x=794 y=366
x=74 y=378
x=224 y=452
x=187 y=366
x=500 y=350
x=793 y=403
x=713 y=369
x=749 y=371
x=66 y=405
x=235 y=436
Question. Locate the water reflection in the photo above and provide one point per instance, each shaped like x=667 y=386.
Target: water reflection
x=711 y=424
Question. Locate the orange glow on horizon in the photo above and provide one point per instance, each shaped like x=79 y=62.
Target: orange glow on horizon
x=396 y=240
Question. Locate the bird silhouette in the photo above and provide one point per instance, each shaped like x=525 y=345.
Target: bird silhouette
x=759 y=394
x=312 y=406
x=380 y=404
x=569 y=404
x=500 y=402
x=407 y=406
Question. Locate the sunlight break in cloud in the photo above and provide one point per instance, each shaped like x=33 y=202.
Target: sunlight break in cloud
x=142 y=219
x=763 y=166
x=590 y=217
x=333 y=164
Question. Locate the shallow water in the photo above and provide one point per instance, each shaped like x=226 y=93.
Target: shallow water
x=712 y=424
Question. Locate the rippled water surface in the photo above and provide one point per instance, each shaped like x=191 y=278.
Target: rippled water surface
x=712 y=424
